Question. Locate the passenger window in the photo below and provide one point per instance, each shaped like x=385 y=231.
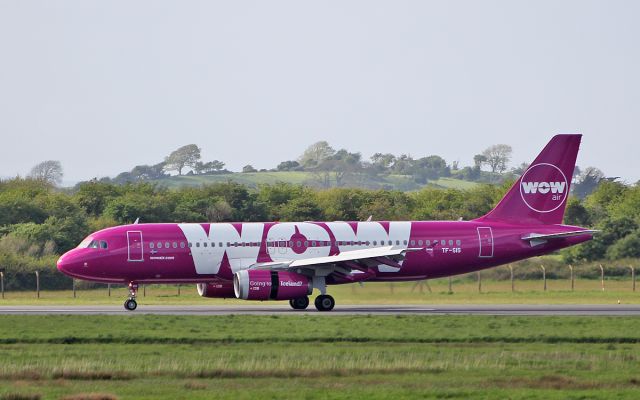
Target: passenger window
x=152 y=245
x=204 y=244
x=375 y=242
x=450 y=242
x=190 y=245
x=197 y=244
x=427 y=242
x=420 y=242
x=458 y=242
x=159 y=245
x=390 y=242
x=404 y=242
x=182 y=245
x=397 y=242
x=213 y=244
x=443 y=242
x=175 y=245
x=220 y=244
x=103 y=244
x=167 y=245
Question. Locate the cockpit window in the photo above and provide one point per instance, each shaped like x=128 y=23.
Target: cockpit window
x=103 y=244
x=89 y=243
x=85 y=243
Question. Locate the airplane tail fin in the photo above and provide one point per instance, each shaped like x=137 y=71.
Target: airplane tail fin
x=540 y=194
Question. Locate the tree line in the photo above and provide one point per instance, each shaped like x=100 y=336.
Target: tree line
x=38 y=221
x=331 y=167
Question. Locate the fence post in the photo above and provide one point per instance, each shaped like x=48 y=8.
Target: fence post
x=38 y=284
x=602 y=277
x=571 y=269
x=73 y=283
x=144 y=290
x=2 y=283
x=633 y=278
x=544 y=277
x=511 y=273
x=450 y=289
x=479 y=283
x=109 y=289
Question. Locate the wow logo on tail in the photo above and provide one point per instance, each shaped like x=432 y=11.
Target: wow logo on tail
x=544 y=187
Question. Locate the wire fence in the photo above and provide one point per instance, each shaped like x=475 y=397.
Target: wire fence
x=419 y=286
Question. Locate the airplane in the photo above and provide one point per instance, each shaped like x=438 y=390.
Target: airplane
x=288 y=260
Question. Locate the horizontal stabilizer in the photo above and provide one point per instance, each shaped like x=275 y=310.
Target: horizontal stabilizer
x=540 y=238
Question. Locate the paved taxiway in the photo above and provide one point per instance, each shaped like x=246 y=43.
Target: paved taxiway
x=629 y=310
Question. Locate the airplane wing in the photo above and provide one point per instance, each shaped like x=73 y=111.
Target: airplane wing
x=536 y=239
x=387 y=259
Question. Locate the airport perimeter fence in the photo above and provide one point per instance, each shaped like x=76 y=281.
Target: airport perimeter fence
x=47 y=280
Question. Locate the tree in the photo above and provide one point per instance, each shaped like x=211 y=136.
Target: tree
x=498 y=156
x=288 y=166
x=148 y=172
x=587 y=181
x=316 y=153
x=478 y=160
x=219 y=211
x=520 y=169
x=210 y=167
x=248 y=168
x=185 y=156
x=49 y=171
x=384 y=161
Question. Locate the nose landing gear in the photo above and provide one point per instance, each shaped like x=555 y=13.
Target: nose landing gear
x=131 y=304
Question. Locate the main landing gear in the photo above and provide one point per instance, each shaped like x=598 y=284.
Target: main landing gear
x=300 y=303
x=131 y=304
x=323 y=302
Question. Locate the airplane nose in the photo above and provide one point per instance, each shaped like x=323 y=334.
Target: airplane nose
x=61 y=265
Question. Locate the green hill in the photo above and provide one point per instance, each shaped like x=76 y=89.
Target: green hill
x=395 y=182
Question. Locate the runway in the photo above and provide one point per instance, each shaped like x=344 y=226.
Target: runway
x=208 y=310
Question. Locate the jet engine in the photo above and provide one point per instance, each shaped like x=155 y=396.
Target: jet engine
x=220 y=289
x=270 y=285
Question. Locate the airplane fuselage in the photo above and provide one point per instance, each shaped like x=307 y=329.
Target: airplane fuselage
x=197 y=253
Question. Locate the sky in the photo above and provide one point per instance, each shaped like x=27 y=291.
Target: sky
x=103 y=86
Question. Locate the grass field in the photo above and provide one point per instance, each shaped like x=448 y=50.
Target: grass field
x=242 y=357
x=465 y=291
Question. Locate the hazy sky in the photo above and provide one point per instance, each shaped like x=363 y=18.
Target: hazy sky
x=103 y=86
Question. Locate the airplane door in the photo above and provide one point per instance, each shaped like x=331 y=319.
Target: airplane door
x=134 y=244
x=485 y=236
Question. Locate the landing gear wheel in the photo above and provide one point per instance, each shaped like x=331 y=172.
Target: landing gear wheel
x=300 y=303
x=324 y=302
x=130 y=304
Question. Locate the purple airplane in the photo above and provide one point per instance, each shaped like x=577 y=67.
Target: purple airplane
x=286 y=261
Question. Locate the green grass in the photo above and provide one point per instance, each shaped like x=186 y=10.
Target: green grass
x=452 y=183
x=465 y=291
x=138 y=356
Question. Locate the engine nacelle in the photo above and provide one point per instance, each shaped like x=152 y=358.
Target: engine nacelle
x=270 y=285
x=221 y=289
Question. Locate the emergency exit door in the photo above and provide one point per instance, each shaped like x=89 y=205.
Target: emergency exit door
x=485 y=236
